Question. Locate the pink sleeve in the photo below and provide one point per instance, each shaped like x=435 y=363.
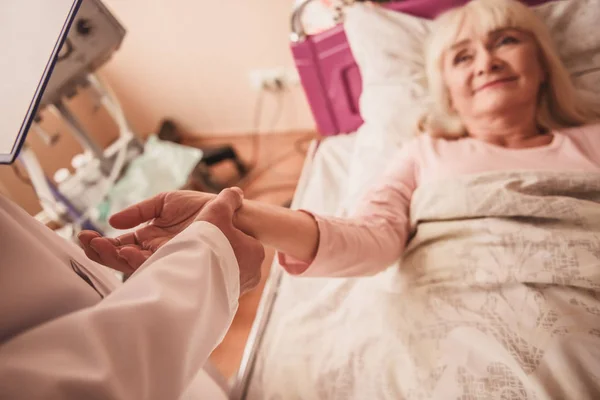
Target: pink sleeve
x=371 y=239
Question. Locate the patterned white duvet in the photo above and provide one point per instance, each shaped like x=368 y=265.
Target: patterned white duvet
x=497 y=296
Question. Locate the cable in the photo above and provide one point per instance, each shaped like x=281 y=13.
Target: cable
x=253 y=175
x=284 y=156
x=258 y=107
x=278 y=111
x=297 y=149
x=256 y=125
x=256 y=135
x=246 y=182
x=254 y=171
x=274 y=120
x=297 y=143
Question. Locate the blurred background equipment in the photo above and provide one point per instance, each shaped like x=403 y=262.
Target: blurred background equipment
x=95 y=34
x=102 y=180
x=201 y=178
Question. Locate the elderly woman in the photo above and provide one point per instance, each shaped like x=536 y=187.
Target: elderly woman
x=503 y=101
x=497 y=202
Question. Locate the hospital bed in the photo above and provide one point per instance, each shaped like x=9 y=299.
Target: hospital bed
x=333 y=85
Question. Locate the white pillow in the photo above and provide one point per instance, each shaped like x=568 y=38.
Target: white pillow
x=574 y=28
x=388 y=48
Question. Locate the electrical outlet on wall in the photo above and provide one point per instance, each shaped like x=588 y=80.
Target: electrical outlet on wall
x=274 y=79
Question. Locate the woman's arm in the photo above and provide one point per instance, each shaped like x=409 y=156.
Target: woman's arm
x=295 y=233
x=364 y=244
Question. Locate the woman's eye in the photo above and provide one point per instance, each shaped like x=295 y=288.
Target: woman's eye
x=461 y=58
x=507 y=40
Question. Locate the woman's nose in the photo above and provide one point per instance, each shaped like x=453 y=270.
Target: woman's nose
x=487 y=63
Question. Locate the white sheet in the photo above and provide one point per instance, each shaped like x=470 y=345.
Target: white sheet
x=323 y=186
x=325 y=189
x=346 y=338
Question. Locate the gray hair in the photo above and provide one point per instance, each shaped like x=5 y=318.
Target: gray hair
x=558 y=107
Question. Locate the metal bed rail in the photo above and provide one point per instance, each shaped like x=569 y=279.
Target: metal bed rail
x=241 y=381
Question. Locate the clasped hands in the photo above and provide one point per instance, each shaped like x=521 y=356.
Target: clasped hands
x=166 y=215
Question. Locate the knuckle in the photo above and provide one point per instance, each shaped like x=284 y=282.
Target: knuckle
x=238 y=191
x=213 y=215
x=164 y=195
x=231 y=192
x=218 y=208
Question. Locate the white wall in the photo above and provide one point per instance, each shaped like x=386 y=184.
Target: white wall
x=190 y=60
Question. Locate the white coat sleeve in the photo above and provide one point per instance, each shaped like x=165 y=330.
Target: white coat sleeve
x=146 y=340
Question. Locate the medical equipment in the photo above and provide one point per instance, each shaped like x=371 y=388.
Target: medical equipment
x=333 y=84
x=96 y=173
x=25 y=70
x=25 y=73
x=93 y=36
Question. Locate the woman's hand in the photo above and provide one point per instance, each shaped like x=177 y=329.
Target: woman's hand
x=294 y=233
x=168 y=214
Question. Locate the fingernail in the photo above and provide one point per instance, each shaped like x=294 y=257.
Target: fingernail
x=121 y=258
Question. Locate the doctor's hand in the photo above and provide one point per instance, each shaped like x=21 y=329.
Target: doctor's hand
x=248 y=251
x=167 y=214
x=170 y=214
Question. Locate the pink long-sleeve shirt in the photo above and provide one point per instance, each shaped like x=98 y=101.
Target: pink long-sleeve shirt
x=376 y=235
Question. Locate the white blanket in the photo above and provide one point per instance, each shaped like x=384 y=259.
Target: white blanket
x=497 y=296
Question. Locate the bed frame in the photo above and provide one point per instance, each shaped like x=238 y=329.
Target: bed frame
x=332 y=84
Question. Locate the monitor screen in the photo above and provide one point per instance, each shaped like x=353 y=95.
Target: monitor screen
x=31 y=33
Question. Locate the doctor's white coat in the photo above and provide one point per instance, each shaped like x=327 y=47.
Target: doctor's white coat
x=70 y=330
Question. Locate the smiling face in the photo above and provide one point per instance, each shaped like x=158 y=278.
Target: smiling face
x=491 y=64
x=488 y=75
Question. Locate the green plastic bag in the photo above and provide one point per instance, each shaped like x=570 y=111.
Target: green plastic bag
x=164 y=166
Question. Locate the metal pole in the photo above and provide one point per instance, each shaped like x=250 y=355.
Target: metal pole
x=47 y=138
x=82 y=137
